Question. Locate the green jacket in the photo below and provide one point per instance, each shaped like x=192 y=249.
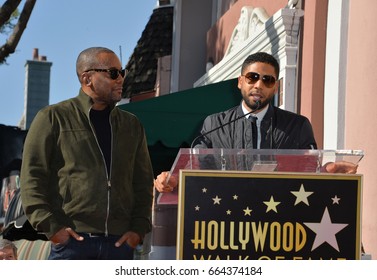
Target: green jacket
x=64 y=180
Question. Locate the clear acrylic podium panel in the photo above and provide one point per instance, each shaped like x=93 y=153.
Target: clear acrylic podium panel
x=260 y=160
x=265 y=160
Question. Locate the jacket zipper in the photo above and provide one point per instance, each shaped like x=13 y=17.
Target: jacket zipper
x=107 y=174
x=109 y=177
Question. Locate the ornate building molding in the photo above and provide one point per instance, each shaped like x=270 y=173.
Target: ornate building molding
x=251 y=19
x=278 y=35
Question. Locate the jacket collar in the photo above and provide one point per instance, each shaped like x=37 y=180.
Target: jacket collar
x=86 y=102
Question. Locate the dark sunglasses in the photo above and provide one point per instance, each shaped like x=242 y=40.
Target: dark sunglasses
x=113 y=72
x=252 y=78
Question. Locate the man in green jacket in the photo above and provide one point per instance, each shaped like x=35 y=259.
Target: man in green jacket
x=86 y=175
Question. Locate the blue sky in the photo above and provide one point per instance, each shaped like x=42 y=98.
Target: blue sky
x=60 y=30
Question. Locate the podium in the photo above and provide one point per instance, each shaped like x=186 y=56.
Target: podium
x=261 y=204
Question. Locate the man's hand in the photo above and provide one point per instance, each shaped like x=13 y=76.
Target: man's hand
x=341 y=167
x=131 y=238
x=62 y=236
x=162 y=184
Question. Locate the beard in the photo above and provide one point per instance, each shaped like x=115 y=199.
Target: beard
x=254 y=105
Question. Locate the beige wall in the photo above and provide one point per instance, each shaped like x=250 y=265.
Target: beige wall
x=312 y=68
x=361 y=116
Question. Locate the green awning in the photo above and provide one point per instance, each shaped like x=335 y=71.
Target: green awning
x=176 y=118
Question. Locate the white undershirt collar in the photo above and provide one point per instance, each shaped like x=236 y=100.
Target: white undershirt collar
x=260 y=115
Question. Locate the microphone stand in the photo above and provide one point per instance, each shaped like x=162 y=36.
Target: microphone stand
x=219 y=127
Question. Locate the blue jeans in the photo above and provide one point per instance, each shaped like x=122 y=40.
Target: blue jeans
x=92 y=248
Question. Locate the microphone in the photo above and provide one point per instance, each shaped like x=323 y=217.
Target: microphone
x=257 y=104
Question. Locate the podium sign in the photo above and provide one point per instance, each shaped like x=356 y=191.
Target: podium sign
x=239 y=215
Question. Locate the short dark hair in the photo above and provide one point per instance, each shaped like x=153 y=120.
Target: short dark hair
x=88 y=58
x=261 y=57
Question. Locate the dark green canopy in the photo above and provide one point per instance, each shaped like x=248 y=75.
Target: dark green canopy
x=176 y=119
x=173 y=121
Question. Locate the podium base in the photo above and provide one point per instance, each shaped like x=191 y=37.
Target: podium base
x=163 y=253
x=366 y=257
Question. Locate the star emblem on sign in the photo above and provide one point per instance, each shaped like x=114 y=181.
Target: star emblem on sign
x=302 y=195
x=247 y=211
x=325 y=231
x=271 y=205
x=216 y=200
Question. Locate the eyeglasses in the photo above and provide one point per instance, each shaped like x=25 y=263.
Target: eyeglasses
x=114 y=73
x=252 y=78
